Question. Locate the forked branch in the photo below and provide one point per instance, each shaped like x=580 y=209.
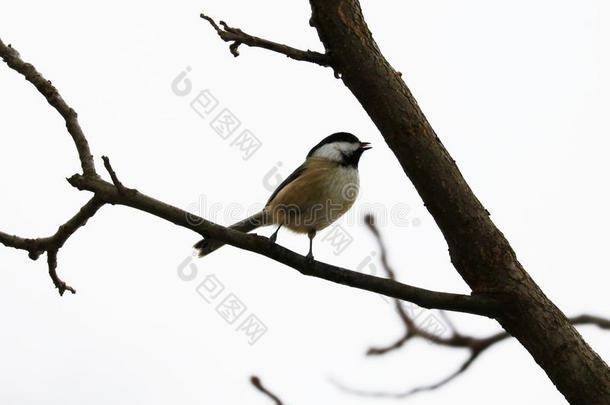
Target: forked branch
x=52 y=244
x=474 y=345
x=116 y=193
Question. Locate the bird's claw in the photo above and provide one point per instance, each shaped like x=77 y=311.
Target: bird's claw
x=309 y=258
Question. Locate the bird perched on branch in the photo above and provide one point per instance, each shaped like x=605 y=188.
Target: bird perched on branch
x=314 y=196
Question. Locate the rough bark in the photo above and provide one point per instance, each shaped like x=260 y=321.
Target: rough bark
x=478 y=250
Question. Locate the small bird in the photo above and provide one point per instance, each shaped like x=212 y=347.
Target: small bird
x=314 y=196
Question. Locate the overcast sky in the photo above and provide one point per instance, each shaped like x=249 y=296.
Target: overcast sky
x=517 y=91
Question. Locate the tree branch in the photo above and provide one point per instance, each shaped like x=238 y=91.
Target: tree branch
x=13 y=60
x=52 y=244
x=479 y=251
x=59 y=283
x=238 y=37
x=115 y=179
x=259 y=386
x=479 y=304
x=116 y=193
x=475 y=346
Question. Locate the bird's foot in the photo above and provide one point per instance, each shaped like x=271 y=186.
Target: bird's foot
x=309 y=257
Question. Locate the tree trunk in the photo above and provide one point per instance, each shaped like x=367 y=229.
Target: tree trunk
x=478 y=250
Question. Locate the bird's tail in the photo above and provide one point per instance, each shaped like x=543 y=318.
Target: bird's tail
x=206 y=246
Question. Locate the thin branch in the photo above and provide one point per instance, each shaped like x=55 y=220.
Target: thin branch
x=115 y=179
x=411 y=329
x=238 y=37
x=59 y=283
x=449 y=323
x=44 y=86
x=379 y=351
x=52 y=244
x=116 y=193
x=477 y=304
x=475 y=346
x=440 y=167
x=35 y=247
x=412 y=391
x=259 y=386
x=585 y=319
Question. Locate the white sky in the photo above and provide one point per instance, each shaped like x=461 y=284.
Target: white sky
x=517 y=92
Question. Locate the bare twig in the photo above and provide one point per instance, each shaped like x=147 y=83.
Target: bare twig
x=36 y=247
x=479 y=304
x=115 y=179
x=449 y=323
x=116 y=193
x=438 y=180
x=238 y=37
x=59 y=283
x=13 y=60
x=259 y=386
x=52 y=244
x=475 y=346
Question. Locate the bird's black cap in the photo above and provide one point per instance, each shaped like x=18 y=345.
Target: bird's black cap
x=336 y=137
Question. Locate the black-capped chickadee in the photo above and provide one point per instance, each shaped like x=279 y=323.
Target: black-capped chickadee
x=314 y=196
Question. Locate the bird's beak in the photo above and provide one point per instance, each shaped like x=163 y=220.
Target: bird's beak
x=365 y=145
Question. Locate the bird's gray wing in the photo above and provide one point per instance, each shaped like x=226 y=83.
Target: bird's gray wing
x=299 y=170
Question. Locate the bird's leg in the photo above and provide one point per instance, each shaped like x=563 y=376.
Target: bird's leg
x=311 y=234
x=273 y=236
